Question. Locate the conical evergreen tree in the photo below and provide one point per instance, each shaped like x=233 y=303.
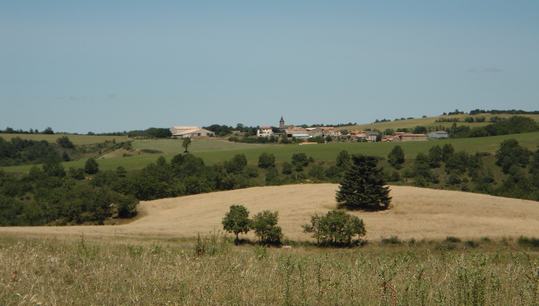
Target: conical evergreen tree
x=363 y=186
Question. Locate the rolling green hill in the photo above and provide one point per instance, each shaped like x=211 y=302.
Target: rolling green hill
x=214 y=150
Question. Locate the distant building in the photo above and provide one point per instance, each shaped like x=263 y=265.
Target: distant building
x=401 y=136
x=264 y=131
x=281 y=124
x=438 y=135
x=190 y=132
x=372 y=136
x=297 y=132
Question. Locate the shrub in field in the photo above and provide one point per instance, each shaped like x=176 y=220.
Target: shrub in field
x=335 y=228
x=237 y=221
x=343 y=160
x=287 y=168
x=396 y=157
x=528 y=241
x=91 y=166
x=266 y=161
x=435 y=156
x=447 y=151
x=363 y=186
x=237 y=164
x=65 y=143
x=392 y=240
x=266 y=229
x=300 y=160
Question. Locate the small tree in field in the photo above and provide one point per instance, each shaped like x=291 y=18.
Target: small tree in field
x=335 y=228
x=396 y=157
x=185 y=144
x=91 y=166
x=237 y=221
x=363 y=186
x=265 y=226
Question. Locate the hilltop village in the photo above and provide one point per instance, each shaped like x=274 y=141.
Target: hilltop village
x=315 y=134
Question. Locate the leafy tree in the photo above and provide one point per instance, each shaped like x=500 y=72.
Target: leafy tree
x=343 y=160
x=54 y=168
x=396 y=157
x=48 y=131
x=317 y=172
x=300 y=160
x=363 y=186
x=335 y=228
x=435 y=156
x=237 y=221
x=265 y=226
x=91 y=166
x=266 y=161
x=237 y=164
x=65 y=143
x=457 y=163
x=287 y=168
x=76 y=173
x=185 y=144
x=511 y=154
x=422 y=170
x=447 y=151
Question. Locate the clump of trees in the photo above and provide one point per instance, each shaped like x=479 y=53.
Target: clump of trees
x=363 y=186
x=264 y=224
x=336 y=228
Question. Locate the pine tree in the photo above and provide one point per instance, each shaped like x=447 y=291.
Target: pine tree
x=363 y=186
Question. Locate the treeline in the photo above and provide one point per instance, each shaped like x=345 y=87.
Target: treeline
x=513 y=171
x=9 y=130
x=19 y=151
x=501 y=111
x=512 y=125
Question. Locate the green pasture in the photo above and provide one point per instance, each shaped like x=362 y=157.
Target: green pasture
x=214 y=151
x=76 y=139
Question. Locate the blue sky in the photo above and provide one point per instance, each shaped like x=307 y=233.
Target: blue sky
x=118 y=65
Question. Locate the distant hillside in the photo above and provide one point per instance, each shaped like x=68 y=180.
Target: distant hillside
x=443 y=121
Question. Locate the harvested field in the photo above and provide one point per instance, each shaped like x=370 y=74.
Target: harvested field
x=416 y=213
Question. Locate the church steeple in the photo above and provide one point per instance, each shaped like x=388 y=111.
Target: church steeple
x=281 y=123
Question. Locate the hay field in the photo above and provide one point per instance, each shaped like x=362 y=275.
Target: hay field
x=416 y=213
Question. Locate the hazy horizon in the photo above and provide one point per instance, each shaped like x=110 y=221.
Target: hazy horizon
x=110 y=66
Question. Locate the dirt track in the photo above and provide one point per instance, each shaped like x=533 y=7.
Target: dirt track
x=416 y=213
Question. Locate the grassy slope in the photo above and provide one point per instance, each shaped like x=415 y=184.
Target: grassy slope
x=431 y=121
x=213 y=151
x=76 y=139
x=107 y=272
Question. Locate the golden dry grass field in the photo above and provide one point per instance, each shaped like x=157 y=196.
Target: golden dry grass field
x=416 y=213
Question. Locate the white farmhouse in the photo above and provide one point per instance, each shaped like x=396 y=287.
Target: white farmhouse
x=264 y=131
x=190 y=132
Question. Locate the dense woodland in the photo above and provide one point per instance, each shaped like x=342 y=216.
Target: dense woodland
x=19 y=151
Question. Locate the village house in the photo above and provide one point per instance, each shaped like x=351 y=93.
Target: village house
x=264 y=131
x=190 y=132
x=438 y=135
